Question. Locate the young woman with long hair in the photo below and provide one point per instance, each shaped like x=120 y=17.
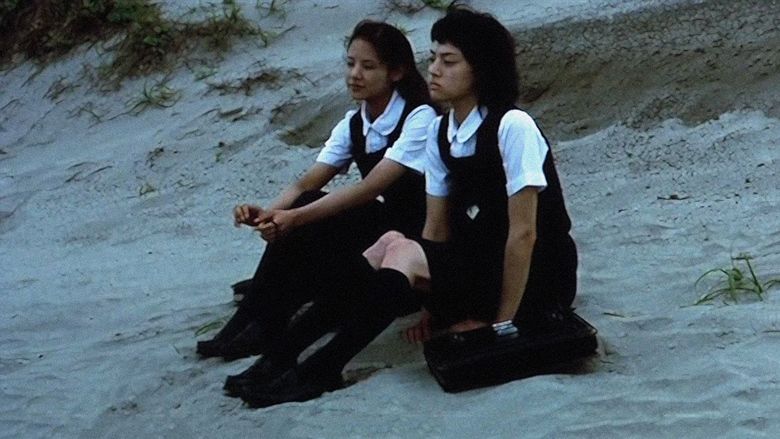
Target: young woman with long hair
x=310 y=233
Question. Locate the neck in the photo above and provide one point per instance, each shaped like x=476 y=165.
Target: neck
x=376 y=106
x=463 y=107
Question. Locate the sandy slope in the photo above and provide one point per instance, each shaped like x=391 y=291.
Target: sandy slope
x=117 y=244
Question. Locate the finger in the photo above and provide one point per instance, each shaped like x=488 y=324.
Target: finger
x=426 y=333
x=265 y=227
x=245 y=213
x=416 y=335
x=408 y=336
x=236 y=213
x=259 y=210
x=267 y=236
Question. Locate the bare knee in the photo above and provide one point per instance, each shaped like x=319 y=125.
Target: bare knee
x=401 y=248
x=376 y=253
x=407 y=256
x=390 y=237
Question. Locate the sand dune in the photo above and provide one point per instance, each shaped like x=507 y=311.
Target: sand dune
x=117 y=241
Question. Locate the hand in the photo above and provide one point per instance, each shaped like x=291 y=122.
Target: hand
x=275 y=224
x=247 y=214
x=419 y=333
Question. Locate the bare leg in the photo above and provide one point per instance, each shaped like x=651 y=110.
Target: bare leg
x=376 y=253
x=394 y=251
x=408 y=257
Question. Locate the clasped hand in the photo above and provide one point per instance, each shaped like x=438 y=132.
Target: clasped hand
x=272 y=224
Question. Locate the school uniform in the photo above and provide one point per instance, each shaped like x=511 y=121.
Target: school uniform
x=398 y=134
x=311 y=262
x=477 y=166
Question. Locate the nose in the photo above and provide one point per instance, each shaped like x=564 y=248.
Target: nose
x=355 y=71
x=433 y=68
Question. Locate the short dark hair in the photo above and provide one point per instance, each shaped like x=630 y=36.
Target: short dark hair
x=395 y=52
x=490 y=50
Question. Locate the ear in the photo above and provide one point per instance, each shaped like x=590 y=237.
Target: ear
x=397 y=74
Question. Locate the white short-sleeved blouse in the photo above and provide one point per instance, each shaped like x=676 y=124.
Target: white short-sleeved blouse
x=521 y=145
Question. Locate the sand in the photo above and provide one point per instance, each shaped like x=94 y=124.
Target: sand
x=117 y=241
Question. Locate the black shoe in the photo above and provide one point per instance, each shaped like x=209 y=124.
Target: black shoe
x=251 y=341
x=235 y=326
x=210 y=348
x=261 y=373
x=289 y=387
x=241 y=289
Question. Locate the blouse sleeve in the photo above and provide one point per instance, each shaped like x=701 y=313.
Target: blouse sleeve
x=409 y=149
x=436 y=173
x=523 y=150
x=337 y=151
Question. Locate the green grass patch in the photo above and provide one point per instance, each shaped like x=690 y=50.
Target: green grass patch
x=141 y=38
x=735 y=283
x=210 y=326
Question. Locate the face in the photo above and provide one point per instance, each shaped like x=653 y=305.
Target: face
x=368 y=78
x=451 y=76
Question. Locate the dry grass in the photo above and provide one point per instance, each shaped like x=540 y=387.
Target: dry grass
x=141 y=38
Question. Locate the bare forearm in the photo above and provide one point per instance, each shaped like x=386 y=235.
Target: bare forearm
x=437 y=226
x=335 y=202
x=517 y=264
x=314 y=179
x=287 y=197
x=384 y=174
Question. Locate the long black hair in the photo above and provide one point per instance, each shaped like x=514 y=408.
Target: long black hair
x=490 y=50
x=395 y=52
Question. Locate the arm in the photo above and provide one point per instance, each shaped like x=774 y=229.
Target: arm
x=407 y=153
x=385 y=173
x=314 y=179
x=334 y=156
x=519 y=248
x=437 y=226
x=272 y=223
x=437 y=229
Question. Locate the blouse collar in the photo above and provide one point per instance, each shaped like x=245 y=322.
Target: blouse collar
x=469 y=126
x=387 y=121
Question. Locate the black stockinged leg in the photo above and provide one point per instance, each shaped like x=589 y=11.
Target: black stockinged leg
x=282 y=353
x=237 y=323
x=384 y=295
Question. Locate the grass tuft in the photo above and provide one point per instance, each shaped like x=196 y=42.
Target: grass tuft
x=157 y=96
x=210 y=326
x=735 y=282
x=144 y=41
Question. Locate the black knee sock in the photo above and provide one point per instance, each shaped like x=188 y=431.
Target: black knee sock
x=370 y=313
x=307 y=328
x=237 y=323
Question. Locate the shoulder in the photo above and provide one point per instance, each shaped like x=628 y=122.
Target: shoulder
x=516 y=119
x=423 y=114
x=349 y=114
x=348 y=117
x=435 y=123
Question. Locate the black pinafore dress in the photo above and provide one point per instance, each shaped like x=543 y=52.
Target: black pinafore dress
x=467 y=271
